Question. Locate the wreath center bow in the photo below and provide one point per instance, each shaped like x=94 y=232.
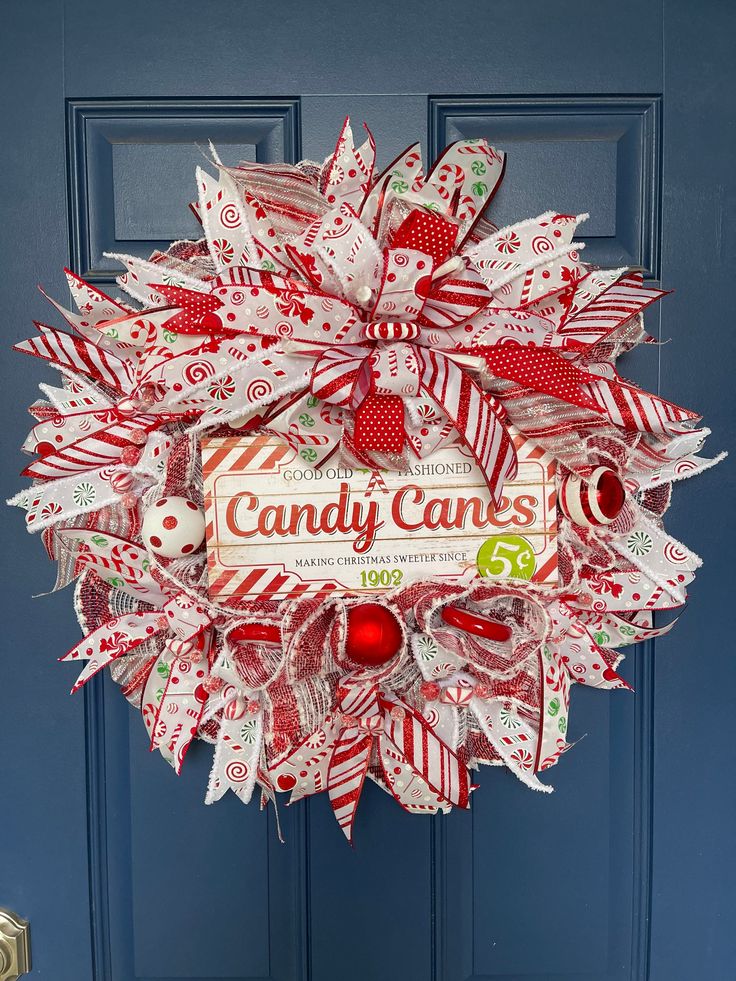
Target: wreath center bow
x=374 y=383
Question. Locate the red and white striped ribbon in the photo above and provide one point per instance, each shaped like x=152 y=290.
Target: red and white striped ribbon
x=476 y=415
x=78 y=355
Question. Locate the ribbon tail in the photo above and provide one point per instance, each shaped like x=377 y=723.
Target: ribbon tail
x=304 y=770
x=379 y=424
x=474 y=414
x=112 y=640
x=555 y=704
x=434 y=767
x=78 y=355
x=236 y=759
x=634 y=409
x=631 y=632
x=115 y=560
x=346 y=775
x=410 y=791
x=515 y=747
x=172 y=707
x=586 y=662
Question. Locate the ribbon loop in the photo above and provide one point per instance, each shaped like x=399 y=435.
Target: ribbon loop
x=396 y=370
x=336 y=375
x=405 y=284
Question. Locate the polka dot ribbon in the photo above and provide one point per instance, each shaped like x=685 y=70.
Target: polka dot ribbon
x=428 y=233
x=379 y=424
x=540 y=369
x=196 y=311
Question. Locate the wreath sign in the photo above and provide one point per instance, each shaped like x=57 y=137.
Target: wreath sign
x=372 y=319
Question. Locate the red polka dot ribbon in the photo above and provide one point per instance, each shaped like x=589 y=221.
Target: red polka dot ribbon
x=541 y=369
x=379 y=424
x=426 y=232
x=196 y=314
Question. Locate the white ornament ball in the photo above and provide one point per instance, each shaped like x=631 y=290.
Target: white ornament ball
x=173 y=527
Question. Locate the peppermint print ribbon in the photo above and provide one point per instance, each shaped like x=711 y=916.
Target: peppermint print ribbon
x=239 y=742
x=173 y=696
x=418 y=768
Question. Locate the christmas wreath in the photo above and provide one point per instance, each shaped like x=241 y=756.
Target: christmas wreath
x=373 y=332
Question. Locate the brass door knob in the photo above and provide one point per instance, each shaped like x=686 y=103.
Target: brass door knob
x=15 y=946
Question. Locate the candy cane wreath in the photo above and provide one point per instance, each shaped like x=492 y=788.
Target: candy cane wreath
x=386 y=310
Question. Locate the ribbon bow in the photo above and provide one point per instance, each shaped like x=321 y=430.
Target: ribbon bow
x=375 y=383
x=517 y=693
x=421 y=771
x=392 y=339
x=174 y=694
x=393 y=264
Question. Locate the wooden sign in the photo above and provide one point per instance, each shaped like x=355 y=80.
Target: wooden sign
x=277 y=528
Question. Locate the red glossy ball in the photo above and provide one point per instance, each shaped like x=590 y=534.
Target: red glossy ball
x=610 y=493
x=374 y=635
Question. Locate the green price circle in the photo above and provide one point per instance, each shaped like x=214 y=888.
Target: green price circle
x=506 y=557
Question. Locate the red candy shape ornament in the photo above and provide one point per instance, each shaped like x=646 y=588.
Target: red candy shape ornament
x=266 y=633
x=374 y=635
x=475 y=623
x=593 y=502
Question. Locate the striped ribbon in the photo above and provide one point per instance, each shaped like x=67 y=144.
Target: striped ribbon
x=345 y=376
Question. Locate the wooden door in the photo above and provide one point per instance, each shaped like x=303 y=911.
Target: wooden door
x=624 y=110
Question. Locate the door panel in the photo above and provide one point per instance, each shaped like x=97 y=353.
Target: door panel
x=192 y=893
x=693 y=863
x=578 y=154
x=615 y=109
x=132 y=162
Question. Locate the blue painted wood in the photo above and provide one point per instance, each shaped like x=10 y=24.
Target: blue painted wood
x=247 y=921
x=693 y=863
x=43 y=834
x=576 y=154
x=626 y=872
x=119 y=149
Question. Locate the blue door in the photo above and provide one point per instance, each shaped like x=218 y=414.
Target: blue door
x=627 y=872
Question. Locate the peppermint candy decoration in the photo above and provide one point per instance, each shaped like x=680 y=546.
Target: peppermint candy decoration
x=593 y=502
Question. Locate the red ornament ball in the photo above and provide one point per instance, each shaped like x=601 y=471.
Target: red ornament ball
x=374 y=635
x=610 y=494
